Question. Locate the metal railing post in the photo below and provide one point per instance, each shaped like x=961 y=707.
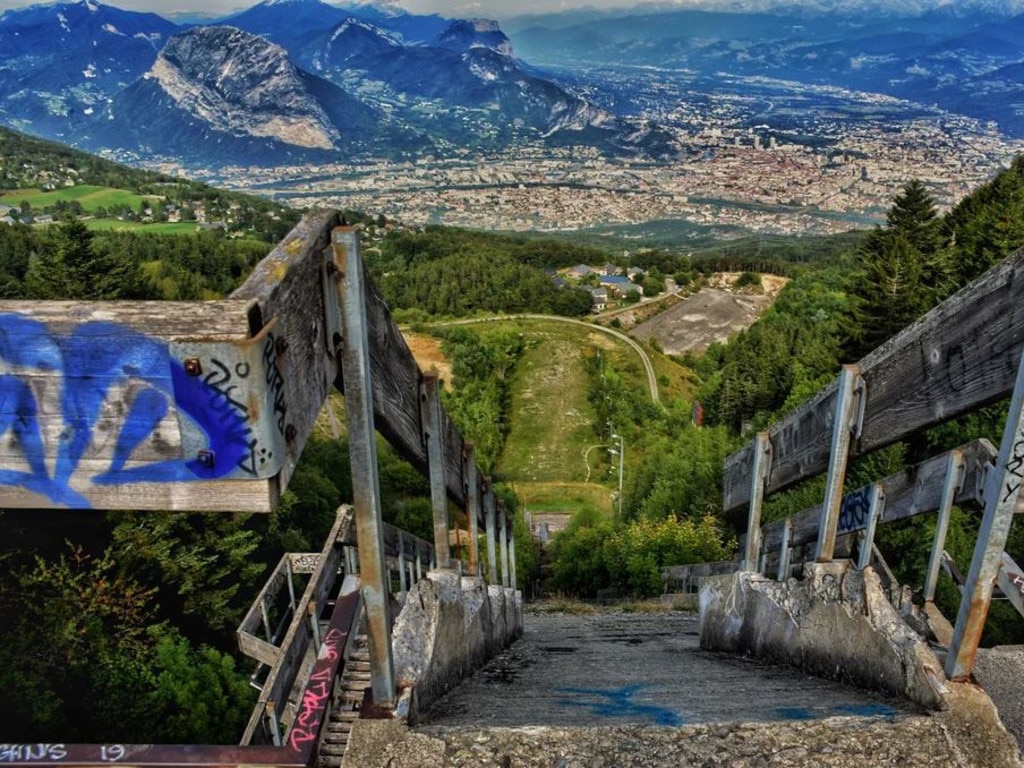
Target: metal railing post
x=787 y=535
x=490 y=503
x=472 y=506
x=1001 y=490
x=512 y=557
x=951 y=486
x=843 y=425
x=503 y=547
x=867 y=541
x=431 y=418
x=363 y=457
x=759 y=474
x=403 y=584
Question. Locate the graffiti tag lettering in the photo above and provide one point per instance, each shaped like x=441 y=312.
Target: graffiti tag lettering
x=313 y=708
x=855 y=511
x=275 y=381
x=1013 y=468
x=76 y=379
x=31 y=753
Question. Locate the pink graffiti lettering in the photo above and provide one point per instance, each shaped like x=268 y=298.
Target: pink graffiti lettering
x=329 y=650
x=314 y=702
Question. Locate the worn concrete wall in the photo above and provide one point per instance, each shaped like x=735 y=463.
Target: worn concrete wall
x=448 y=627
x=837 y=623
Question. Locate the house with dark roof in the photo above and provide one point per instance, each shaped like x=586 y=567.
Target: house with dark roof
x=621 y=286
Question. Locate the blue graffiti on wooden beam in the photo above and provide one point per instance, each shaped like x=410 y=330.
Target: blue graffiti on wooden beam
x=855 y=511
x=618 y=702
x=97 y=367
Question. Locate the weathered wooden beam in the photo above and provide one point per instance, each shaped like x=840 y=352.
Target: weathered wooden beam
x=915 y=490
x=960 y=356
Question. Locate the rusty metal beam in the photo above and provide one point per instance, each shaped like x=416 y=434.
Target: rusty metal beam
x=363 y=455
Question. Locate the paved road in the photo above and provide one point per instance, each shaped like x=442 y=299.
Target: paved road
x=652 y=379
x=626 y=669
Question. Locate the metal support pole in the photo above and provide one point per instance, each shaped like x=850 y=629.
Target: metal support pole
x=867 y=540
x=410 y=566
x=363 y=457
x=759 y=474
x=275 y=726
x=1002 y=487
x=314 y=624
x=472 y=507
x=787 y=536
x=492 y=533
x=843 y=425
x=503 y=546
x=419 y=562
x=512 y=557
x=266 y=622
x=430 y=408
x=953 y=483
x=291 y=583
x=403 y=584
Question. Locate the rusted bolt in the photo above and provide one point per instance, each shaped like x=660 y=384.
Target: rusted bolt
x=290 y=432
x=205 y=459
x=193 y=367
x=281 y=345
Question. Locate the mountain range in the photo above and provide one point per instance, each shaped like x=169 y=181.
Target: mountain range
x=965 y=57
x=301 y=80
x=286 y=80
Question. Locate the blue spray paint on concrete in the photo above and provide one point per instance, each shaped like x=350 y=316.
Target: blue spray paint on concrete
x=618 y=702
x=93 y=360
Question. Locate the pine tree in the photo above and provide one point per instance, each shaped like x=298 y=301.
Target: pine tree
x=70 y=267
x=904 y=270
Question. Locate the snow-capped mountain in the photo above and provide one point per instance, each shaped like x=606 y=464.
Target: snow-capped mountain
x=59 y=64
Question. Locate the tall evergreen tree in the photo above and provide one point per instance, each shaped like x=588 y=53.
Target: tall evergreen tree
x=70 y=267
x=904 y=270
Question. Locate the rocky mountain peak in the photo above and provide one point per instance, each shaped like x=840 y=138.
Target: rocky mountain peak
x=464 y=34
x=243 y=85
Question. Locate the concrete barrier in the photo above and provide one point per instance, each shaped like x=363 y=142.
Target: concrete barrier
x=448 y=627
x=836 y=623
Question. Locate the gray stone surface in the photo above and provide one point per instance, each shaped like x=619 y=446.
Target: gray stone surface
x=738 y=705
x=636 y=669
x=837 y=622
x=1000 y=671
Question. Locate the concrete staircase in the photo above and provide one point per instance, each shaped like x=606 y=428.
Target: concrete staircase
x=348 y=702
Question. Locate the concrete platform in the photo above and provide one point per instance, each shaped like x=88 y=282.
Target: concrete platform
x=639 y=669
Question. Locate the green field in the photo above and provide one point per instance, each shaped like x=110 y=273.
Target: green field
x=91 y=198
x=158 y=228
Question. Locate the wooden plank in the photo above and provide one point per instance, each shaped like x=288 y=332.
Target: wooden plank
x=396 y=396
x=960 y=356
x=287 y=288
x=914 y=491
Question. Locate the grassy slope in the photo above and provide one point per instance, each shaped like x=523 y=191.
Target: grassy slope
x=91 y=197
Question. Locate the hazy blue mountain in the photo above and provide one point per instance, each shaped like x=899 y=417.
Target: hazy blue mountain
x=59 y=64
x=915 y=50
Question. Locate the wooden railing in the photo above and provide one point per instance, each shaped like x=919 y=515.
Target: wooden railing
x=206 y=406
x=962 y=355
